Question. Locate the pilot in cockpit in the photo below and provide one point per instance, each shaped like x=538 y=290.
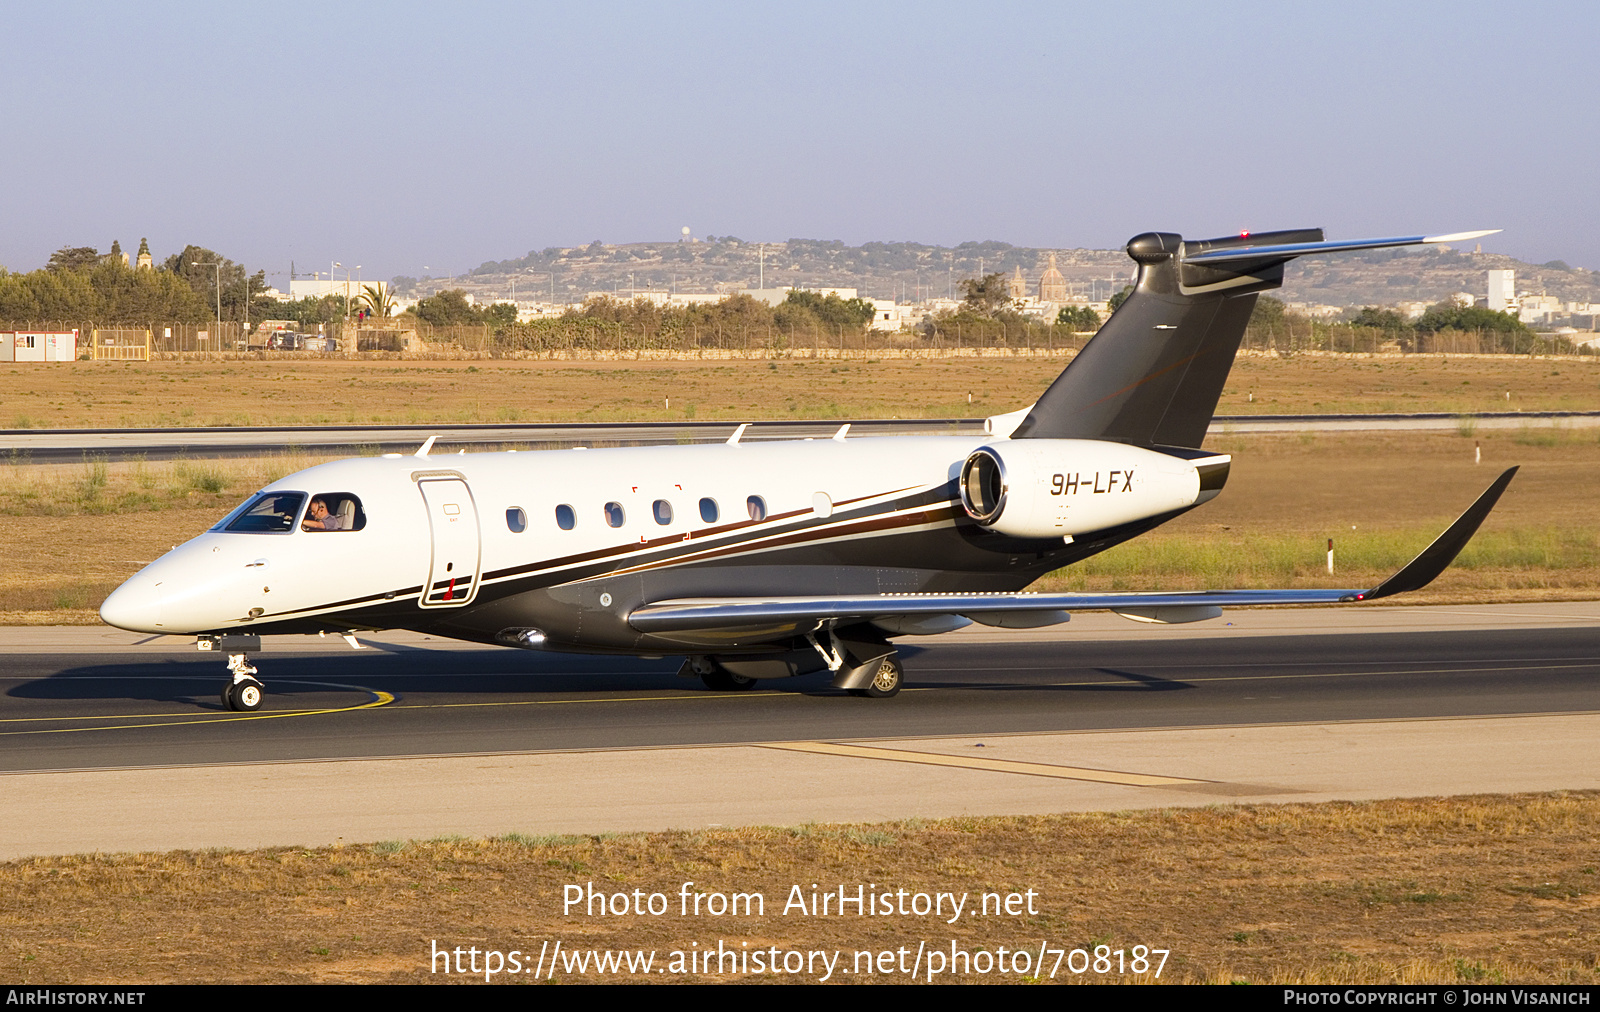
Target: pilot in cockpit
x=319 y=519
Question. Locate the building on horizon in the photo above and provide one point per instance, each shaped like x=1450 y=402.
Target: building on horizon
x=344 y=288
x=1018 y=284
x=1502 y=291
x=1052 y=285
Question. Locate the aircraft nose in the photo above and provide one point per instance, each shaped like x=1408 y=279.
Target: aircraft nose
x=136 y=606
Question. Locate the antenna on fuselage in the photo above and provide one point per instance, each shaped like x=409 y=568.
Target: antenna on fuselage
x=733 y=440
x=422 y=451
x=839 y=436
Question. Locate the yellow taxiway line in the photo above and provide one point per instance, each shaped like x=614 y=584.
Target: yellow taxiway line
x=379 y=699
x=978 y=763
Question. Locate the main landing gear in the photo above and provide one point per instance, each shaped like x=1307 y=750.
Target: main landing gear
x=716 y=677
x=885 y=682
x=862 y=665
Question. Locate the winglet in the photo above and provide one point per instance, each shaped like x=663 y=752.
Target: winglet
x=1420 y=571
x=422 y=451
x=733 y=440
x=839 y=436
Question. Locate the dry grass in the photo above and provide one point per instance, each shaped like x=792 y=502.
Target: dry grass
x=288 y=392
x=69 y=534
x=1380 y=496
x=98 y=487
x=1468 y=890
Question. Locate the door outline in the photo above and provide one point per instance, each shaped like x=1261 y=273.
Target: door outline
x=451 y=598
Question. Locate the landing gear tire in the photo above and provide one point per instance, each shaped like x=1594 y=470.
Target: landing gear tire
x=726 y=681
x=245 y=696
x=886 y=682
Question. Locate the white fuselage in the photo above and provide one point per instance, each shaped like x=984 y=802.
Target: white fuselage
x=442 y=535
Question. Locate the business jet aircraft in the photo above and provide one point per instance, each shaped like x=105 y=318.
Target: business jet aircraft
x=765 y=560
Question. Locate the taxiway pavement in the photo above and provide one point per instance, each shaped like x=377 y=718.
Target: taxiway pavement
x=108 y=744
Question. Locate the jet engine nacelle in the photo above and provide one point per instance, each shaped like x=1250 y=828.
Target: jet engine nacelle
x=1051 y=488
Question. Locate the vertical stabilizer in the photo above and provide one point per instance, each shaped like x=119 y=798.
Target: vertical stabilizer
x=1154 y=372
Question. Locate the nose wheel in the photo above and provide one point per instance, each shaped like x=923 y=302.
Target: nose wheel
x=244 y=692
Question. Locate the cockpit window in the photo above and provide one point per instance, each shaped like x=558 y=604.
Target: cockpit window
x=334 y=511
x=267 y=513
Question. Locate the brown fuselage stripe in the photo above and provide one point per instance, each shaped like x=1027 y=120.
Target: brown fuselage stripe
x=762 y=541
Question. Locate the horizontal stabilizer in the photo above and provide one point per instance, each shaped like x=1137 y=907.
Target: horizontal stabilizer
x=1153 y=373
x=809 y=613
x=1300 y=249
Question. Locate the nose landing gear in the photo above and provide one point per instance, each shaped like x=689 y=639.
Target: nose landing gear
x=244 y=692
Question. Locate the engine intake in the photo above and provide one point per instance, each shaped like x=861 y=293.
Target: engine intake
x=983 y=486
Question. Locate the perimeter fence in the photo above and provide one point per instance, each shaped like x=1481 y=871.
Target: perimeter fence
x=578 y=337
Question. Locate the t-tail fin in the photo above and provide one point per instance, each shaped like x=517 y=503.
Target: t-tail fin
x=1154 y=372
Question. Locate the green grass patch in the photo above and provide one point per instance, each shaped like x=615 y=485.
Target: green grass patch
x=1274 y=560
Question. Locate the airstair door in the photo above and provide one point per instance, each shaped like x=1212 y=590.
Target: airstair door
x=457 y=549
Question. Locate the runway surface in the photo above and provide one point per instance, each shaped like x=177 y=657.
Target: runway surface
x=70 y=445
x=415 y=737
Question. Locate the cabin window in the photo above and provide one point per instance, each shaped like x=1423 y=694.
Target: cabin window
x=614 y=514
x=662 y=511
x=566 y=517
x=708 y=510
x=333 y=511
x=517 y=519
x=267 y=513
x=757 y=507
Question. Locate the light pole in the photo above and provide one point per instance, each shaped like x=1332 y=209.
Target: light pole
x=347 y=290
x=218 y=266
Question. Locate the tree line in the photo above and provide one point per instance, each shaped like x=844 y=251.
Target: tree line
x=1444 y=326
x=602 y=318
x=198 y=285
x=80 y=283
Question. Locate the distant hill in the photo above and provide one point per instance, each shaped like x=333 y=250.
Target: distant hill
x=911 y=271
x=1426 y=274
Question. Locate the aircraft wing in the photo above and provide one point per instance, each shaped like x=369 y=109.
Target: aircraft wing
x=810 y=613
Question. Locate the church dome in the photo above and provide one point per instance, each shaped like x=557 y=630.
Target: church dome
x=1052 y=286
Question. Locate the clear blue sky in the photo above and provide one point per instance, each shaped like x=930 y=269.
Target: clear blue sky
x=400 y=135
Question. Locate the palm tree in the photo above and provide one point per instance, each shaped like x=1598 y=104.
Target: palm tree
x=378 y=301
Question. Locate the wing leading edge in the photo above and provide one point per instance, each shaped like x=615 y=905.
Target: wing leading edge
x=732 y=612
